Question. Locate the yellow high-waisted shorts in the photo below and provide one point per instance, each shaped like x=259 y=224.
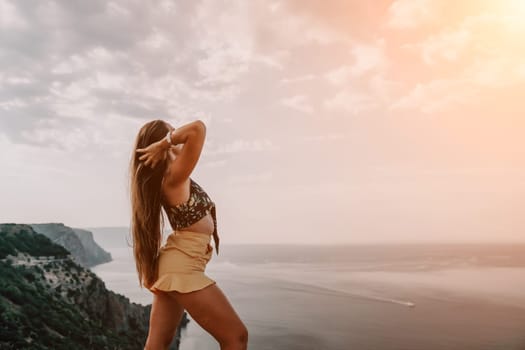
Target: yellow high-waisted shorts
x=182 y=262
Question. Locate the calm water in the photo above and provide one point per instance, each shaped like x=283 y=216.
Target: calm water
x=358 y=297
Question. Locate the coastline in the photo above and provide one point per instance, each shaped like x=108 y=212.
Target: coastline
x=298 y=306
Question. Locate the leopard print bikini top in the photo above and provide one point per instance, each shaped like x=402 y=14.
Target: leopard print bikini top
x=195 y=208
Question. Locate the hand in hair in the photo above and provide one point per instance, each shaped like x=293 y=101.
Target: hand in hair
x=154 y=153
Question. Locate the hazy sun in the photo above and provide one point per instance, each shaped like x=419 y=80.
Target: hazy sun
x=511 y=7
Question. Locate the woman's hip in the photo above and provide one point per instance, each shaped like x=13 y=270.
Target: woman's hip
x=185 y=250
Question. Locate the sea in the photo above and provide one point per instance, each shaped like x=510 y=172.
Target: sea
x=354 y=296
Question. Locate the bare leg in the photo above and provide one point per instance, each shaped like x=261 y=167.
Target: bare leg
x=165 y=316
x=210 y=308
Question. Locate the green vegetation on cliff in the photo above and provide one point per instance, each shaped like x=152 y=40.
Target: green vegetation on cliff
x=33 y=317
x=48 y=301
x=23 y=239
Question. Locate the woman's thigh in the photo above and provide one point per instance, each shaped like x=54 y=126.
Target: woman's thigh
x=166 y=314
x=211 y=309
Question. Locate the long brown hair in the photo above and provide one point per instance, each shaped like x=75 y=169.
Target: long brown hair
x=147 y=221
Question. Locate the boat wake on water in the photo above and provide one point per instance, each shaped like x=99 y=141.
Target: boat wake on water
x=335 y=291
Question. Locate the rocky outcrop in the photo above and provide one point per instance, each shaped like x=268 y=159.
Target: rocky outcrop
x=97 y=254
x=49 y=301
x=79 y=242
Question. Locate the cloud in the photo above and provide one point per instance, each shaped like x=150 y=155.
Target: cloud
x=350 y=101
x=362 y=85
x=437 y=96
x=474 y=35
x=10 y=18
x=410 y=14
x=261 y=177
x=447 y=45
x=366 y=58
x=299 y=103
x=298 y=79
x=340 y=75
x=83 y=61
x=214 y=164
x=242 y=145
x=324 y=137
x=481 y=53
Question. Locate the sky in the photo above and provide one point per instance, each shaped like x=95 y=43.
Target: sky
x=327 y=121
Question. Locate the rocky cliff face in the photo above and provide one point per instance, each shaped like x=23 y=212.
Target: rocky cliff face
x=97 y=254
x=48 y=301
x=79 y=242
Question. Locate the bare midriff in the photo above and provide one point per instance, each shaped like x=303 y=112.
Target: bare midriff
x=204 y=226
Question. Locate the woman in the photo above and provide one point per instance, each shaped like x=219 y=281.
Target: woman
x=164 y=158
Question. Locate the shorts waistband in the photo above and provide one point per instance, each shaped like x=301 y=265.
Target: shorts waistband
x=194 y=234
x=191 y=232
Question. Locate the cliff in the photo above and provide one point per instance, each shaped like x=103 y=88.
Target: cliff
x=78 y=241
x=48 y=301
x=97 y=255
